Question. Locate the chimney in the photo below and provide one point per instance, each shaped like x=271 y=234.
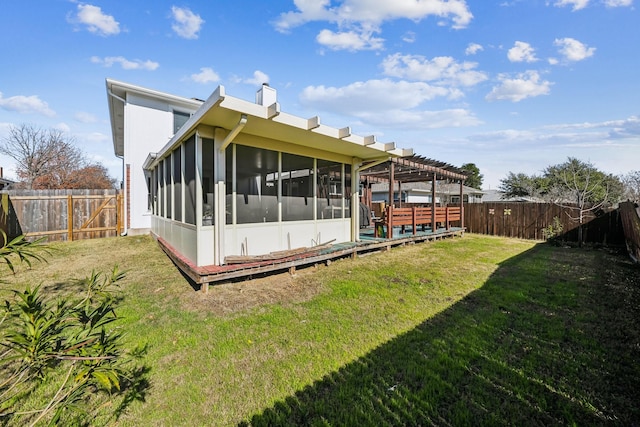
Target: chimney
x=266 y=95
x=1 y=172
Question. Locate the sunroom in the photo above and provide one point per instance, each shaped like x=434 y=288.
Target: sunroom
x=243 y=178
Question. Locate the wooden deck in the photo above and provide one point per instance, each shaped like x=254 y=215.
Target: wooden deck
x=206 y=275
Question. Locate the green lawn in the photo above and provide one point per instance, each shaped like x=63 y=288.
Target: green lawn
x=473 y=330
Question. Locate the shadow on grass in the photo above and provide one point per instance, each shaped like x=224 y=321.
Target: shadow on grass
x=551 y=338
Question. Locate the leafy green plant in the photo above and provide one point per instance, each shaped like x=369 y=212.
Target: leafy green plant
x=553 y=230
x=57 y=358
x=21 y=248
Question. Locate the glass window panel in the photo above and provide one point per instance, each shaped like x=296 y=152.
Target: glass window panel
x=257 y=185
x=177 y=184
x=168 y=184
x=148 y=178
x=179 y=119
x=161 y=182
x=297 y=187
x=154 y=192
x=207 y=182
x=190 y=181
x=329 y=190
x=229 y=179
x=347 y=191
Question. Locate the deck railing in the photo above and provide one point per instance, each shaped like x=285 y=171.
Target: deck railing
x=416 y=217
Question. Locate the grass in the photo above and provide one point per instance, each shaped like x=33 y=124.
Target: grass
x=477 y=330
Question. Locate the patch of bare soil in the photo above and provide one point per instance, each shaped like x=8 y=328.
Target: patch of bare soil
x=283 y=288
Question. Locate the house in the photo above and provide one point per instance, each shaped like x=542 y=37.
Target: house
x=421 y=193
x=491 y=196
x=4 y=182
x=229 y=177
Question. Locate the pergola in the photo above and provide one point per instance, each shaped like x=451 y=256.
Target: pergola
x=409 y=169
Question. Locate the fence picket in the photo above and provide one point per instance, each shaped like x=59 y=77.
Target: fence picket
x=54 y=214
x=527 y=220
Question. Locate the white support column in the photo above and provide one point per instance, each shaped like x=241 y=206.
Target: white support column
x=279 y=187
x=220 y=190
x=315 y=189
x=198 y=181
x=355 y=201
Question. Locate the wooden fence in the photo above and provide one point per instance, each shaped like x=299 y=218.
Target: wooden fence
x=61 y=214
x=527 y=221
x=630 y=214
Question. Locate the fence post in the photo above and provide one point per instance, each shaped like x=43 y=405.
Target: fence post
x=70 y=217
x=413 y=219
x=446 y=217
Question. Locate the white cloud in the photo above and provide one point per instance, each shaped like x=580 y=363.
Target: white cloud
x=357 y=20
x=96 y=138
x=125 y=63
x=419 y=120
x=258 y=78
x=573 y=50
x=441 y=69
x=96 y=21
x=473 y=48
x=360 y=99
x=84 y=117
x=524 y=85
x=206 y=75
x=373 y=11
x=618 y=3
x=577 y=4
x=581 y=4
x=616 y=129
x=187 y=24
x=62 y=127
x=409 y=37
x=349 y=40
x=522 y=52
x=383 y=104
x=26 y=105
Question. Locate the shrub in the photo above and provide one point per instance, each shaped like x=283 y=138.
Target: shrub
x=553 y=230
x=59 y=358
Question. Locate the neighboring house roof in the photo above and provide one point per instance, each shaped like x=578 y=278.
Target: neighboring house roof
x=497 y=196
x=425 y=187
x=4 y=182
x=267 y=121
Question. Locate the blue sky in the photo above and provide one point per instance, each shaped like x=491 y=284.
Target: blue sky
x=508 y=85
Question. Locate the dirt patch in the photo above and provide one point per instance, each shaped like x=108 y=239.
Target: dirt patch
x=235 y=297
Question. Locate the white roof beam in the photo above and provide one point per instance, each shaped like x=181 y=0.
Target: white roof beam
x=273 y=110
x=313 y=122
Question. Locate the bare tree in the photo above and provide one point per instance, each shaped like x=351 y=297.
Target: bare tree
x=582 y=189
x=631 y=182
x=49 y=159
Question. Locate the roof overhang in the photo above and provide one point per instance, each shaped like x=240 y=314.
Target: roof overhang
x=117 y=93
x=226 y=112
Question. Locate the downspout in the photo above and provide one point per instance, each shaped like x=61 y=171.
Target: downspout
x=126 y=227
x=234 y=132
